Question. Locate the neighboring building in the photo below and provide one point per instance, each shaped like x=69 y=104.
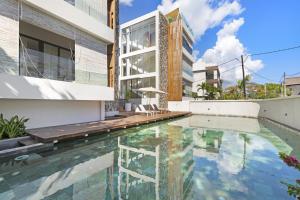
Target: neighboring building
x=54 y=59
x=210 y=75
x=143 y=56
x=180 y=57
x=149 y=59
x=293 y=84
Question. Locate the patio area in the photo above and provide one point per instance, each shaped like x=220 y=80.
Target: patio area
x=66 y=132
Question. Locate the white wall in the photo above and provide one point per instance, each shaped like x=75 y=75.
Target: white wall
x=282 y=110
x=226 y=108
x=21 y=87
x=51 y=113
x=199 y=78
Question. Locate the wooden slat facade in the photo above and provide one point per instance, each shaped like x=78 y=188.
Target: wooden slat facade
x=175 y=56
x=112 y=50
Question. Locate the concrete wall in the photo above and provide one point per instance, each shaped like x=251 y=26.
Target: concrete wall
x=51 y=113
x=226 y=108
x=21 y=87
x=283 y=110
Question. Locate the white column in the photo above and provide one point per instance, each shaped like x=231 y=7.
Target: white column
x=102 y=110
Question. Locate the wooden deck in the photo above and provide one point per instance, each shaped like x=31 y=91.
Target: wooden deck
x=66 y=132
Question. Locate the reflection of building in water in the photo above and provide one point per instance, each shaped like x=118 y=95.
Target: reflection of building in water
x=139 y=165
x=155 y=163
x=210 y=140
x=86 y=173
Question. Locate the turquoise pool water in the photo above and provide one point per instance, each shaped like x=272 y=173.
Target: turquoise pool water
x=199 y=157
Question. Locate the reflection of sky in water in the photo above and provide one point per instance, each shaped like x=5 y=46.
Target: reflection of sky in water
x=211 y=158
x=246 y=167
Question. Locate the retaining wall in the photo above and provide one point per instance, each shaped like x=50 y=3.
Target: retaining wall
x=285 y=111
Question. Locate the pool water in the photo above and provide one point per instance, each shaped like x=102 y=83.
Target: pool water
x=198 y=157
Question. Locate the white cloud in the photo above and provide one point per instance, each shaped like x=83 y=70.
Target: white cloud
x=202 y=14
x=227 y=47
x=126 y=2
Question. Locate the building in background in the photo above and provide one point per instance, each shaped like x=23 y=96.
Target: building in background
x=143 y=57
x=293 y=84
x=55 y=60
x=180 y=57
x=210 y=75
x=156 y=51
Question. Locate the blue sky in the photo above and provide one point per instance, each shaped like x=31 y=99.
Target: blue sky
x=263 y=26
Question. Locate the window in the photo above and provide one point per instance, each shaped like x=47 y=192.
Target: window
x=138 y=36
x=209 y=75
x=44 y=60
x=186 y=45
x=139 y=64
x=134 y=84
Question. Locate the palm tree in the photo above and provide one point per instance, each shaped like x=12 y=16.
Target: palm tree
x=247 y=140
x=203 y=87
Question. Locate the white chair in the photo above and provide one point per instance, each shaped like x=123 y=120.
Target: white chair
x=141 y=109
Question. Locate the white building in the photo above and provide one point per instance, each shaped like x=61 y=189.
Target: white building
x=156 y=51
x=210 y=75
x=53 y=60
x=143 y=56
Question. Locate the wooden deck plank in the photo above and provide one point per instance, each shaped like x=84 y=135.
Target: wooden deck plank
x=66 y=132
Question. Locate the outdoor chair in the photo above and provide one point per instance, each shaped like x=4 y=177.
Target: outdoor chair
x=160 y=109
x=141 y=109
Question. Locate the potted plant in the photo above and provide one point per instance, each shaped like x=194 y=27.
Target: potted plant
x=128 y=104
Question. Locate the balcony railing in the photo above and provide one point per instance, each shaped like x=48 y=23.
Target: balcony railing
x=92 y=8
x=187 y=46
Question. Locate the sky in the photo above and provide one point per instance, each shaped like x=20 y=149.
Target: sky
x=226 y=29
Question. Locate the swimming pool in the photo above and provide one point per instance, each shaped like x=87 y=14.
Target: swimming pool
x=198 y=157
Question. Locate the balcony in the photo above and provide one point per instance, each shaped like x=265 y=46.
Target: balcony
x=186 y=45
x=84 y=18
x=95 y=9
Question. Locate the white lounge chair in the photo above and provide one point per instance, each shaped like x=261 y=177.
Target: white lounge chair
x=141 y=109
x=159 y=109
x=151 y=109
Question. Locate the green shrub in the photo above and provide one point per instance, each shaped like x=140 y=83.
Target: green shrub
x=15 y=127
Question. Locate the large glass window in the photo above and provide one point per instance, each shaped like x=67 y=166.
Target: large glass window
x=138 y=36
x=133 y=85
x=139 y=64
x=44 y=60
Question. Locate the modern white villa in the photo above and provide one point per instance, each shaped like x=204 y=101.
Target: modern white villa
x=149 y=58
x=54 y=60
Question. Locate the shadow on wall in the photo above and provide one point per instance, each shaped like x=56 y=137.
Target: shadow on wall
x=7 y=64
x=18 y=87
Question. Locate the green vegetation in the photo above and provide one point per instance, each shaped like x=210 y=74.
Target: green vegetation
x=210 y=91
x=15 y=127
x=253 y=90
